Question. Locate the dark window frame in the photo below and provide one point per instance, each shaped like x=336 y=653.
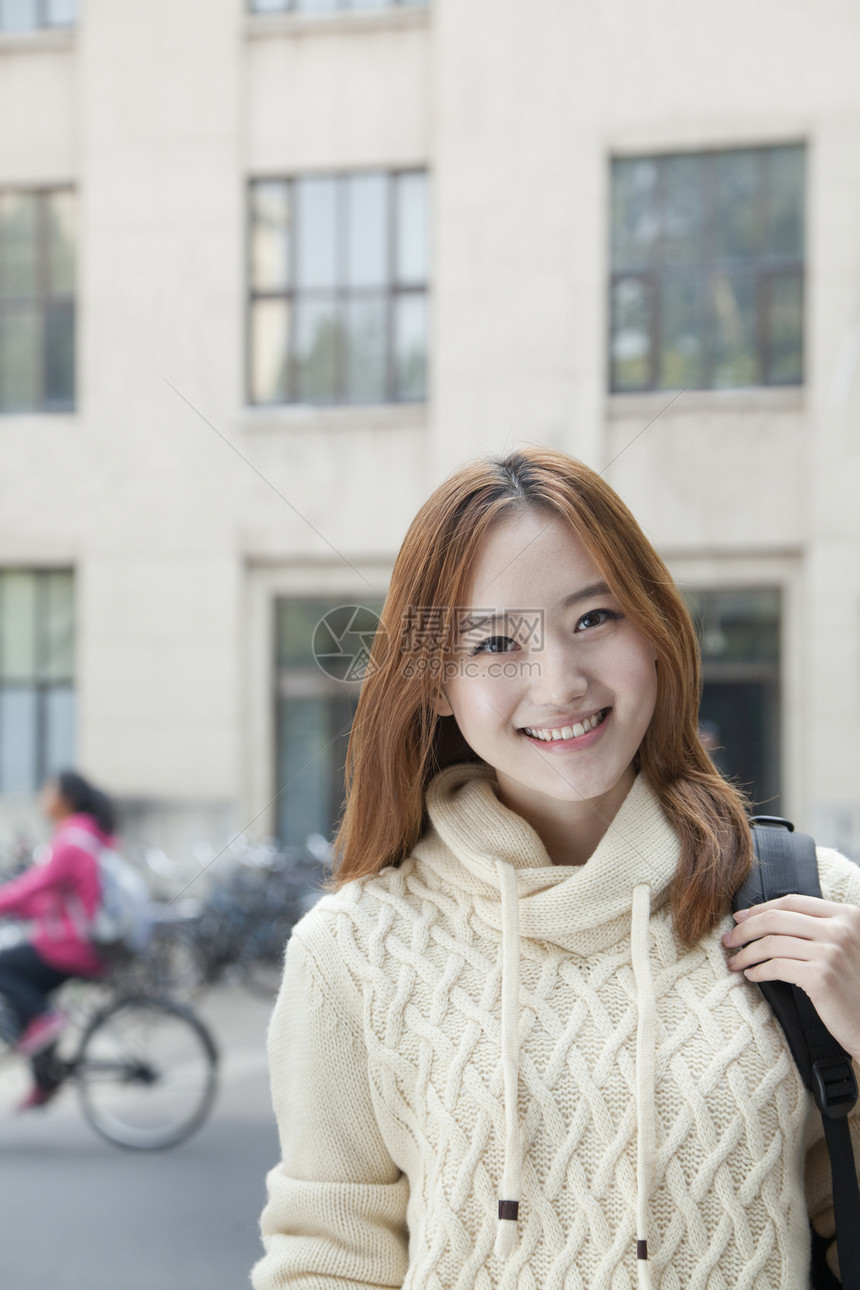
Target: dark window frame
x=764 y=269
x=305 y=679
x=43 y=684
x=760 y=670
x=46 y=299
x=343 y=294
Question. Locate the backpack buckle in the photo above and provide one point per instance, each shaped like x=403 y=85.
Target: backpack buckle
x=834 y=1086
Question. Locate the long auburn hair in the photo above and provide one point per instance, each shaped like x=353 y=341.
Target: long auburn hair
x=398 y=743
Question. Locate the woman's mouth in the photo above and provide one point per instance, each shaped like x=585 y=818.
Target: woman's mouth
x=567 y=734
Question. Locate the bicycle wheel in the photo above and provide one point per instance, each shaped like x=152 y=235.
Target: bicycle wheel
x=147 y=1073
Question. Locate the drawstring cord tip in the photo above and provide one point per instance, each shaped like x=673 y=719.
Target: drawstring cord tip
x=506 y=1232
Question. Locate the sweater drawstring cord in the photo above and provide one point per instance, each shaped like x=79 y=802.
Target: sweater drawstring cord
x=646 y=1044
x=506 y=1232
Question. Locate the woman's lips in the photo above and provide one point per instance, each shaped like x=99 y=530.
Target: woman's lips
x=572 y=743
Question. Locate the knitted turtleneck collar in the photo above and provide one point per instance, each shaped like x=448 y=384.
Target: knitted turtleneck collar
x=498 y=858
x=583 y=909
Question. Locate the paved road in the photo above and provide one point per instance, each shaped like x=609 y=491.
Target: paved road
x=78 y=1214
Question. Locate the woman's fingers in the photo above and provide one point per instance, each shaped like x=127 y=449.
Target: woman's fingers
x=774 y=947
x=779 y=922
x=810 y=943
x=813 y=906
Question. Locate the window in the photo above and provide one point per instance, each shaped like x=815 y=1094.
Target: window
x=37 y=304
x=339 y=268
x=29 y=15
x=320 y=645
x=37 y=697
x=707 y=269
x=329 y=6
x=739 y=635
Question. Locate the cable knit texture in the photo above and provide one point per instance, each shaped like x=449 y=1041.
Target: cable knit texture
x=385 y=1051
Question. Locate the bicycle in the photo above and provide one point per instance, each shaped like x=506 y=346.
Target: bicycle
x=240 y=929
x=145 y=1067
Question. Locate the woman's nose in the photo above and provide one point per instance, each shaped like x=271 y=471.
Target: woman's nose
x=560 y=677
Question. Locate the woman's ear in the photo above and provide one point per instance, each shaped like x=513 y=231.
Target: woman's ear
x=440 y=705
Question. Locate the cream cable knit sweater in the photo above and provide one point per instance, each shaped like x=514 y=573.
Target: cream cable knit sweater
x=653 y=1085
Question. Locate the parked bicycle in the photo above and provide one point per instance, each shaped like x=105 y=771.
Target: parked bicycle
x=239 y=930
x=145 y=1069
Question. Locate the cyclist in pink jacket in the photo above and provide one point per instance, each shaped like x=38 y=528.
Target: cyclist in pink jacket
x=60 y=898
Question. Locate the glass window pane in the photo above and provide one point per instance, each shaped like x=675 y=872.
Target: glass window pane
x=318 y=348
x=367 y=349
x=681 y=310
x=58 y=627
x=635 y=214
x=59 y=750
x=631 y=335
x=316 y=232
x=270 y=328
x=784 y=326
x=785 y=226
x=737 y=207
x=296 y=624
x=17 y=626
x=18 y=733
x=305 y=768
x=411 y=342
x=60 y=356
x=683 y=210
x=369 y=238
x=269 y=6
x=60 y=213
x=370 y=4
x=413 y=229
x=270 y=236
x=19 y=15
x=317 y=6
x=19 y=244
x=62 y=13
x=733 y=305
x=736 y=625
x=20 y=358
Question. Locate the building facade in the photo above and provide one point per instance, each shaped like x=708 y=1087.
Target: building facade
x=269 y=271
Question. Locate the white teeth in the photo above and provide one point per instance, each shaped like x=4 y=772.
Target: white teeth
x=565 y=732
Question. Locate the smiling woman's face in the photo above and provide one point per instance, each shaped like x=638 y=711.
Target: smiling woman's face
x=559 y=713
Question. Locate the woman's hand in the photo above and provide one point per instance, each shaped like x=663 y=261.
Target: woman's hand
x=808 y=942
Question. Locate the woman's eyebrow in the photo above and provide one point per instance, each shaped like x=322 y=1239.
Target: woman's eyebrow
x=469 y=622
x=481 y=618
x=585 y=593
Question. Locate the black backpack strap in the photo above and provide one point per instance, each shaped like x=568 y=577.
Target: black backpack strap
x=785 y=863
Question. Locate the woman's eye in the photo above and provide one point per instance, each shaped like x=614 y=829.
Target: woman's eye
x=494 y=645
x=596 y=618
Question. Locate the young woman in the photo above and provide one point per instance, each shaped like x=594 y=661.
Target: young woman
x=60 y=897
x=520 y=1045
